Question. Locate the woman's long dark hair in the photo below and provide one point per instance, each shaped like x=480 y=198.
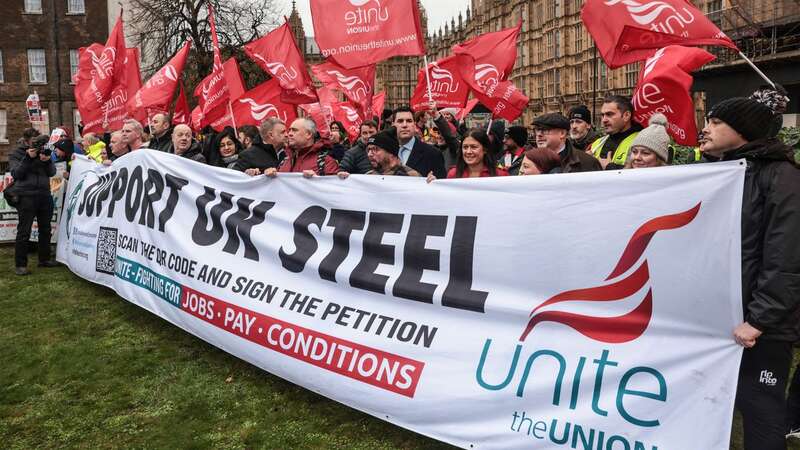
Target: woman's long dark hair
x=488 y=157
x=215 y=158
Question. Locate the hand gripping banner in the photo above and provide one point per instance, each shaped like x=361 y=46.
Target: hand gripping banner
x=478 y=323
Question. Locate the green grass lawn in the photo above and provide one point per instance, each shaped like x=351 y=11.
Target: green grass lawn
x=81 y=367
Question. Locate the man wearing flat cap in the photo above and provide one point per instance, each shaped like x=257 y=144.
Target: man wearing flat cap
x=551 y=131
x=382 y=151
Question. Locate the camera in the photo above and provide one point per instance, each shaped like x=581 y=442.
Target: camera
x=40 y=143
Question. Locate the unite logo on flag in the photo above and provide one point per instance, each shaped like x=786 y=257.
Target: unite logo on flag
x=650 y=64
x=365 y=17
x=487 y=75
x=647 y=13
x=278 y=69
x=442 y=80
x=103 y=64
x=260 y=112
x=357 y=88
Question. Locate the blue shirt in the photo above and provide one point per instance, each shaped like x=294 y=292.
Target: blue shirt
x=405 y=150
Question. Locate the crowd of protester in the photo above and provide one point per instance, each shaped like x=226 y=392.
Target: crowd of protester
x=435 y=145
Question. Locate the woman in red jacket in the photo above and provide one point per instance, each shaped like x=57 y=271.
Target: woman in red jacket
x=475 y=160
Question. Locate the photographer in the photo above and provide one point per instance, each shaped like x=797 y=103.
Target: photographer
x=31 y=167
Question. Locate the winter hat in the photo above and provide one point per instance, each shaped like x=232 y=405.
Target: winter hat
x=65 y=145
x=518 y=134
x=655 y=136
x=748 y=117
x=551 y=121
x=387 y=140
x=775 y=99
x=580 y=112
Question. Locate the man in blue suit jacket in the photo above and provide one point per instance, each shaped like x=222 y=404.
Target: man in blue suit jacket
x=413 y=152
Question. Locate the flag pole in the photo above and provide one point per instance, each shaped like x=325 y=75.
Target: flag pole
x=428 y=78
x=758 y=71
x=233 y=119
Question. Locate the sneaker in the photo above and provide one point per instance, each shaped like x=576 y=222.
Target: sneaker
x=49 y=264
x=793 y=434
x=21 y=271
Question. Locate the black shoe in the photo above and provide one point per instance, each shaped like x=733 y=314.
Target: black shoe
x=21 y=271
x=49 y=264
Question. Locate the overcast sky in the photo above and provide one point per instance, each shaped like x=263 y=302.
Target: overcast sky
x=439 y=12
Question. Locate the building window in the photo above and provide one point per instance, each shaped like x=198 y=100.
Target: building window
x=558 y=44
x=557 y=81
x=73 y=65
x=631 y=75
x=76 y=119
x=37 y=69
x=3 y=127
x=603 y=84
x=578 y=79
x=539 y=15
x=540 y=85
x=2 y=71
x=75 y=7
x=33 y=6
x=578 y=38
x=550 y=49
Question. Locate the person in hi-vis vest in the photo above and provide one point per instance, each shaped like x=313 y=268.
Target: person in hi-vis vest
x=617 y=121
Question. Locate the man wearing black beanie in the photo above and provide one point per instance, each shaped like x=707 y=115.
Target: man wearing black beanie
x=513 y=147
x=737 y=128
x=581 y=132
x=382 y=151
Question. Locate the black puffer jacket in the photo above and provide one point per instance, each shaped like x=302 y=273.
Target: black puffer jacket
x=770 y=239
x=355 y=159
x=31 y=175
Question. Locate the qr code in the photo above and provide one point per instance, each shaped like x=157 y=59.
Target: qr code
x=106 y=250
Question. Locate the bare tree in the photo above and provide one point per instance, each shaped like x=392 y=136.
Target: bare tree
x=161 y=28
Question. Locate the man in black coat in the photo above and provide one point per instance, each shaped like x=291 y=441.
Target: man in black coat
x=161 y=137
x=738 y=128
x=31 y=169
x=263 y=153
x=355 y=159
x=413 y=152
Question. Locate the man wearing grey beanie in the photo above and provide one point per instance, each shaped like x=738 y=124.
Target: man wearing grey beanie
x=737 y=129
x=650 y=148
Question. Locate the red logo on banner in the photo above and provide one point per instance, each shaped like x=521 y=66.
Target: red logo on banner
x=627 y=31
x=663 y=87
x=447 y=87
x=620 y=329
x=361 y=32
x=277 y=54
x=103 y=67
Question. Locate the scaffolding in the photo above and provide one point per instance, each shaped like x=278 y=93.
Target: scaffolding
x=762 y=29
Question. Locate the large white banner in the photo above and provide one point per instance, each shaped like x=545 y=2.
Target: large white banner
x=589 y=311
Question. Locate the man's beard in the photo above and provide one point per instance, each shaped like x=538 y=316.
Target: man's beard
x=577 y=135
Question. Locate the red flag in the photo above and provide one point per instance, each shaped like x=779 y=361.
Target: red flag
x=278 y=55
x=103 y=67
x=663 y=87
x=485 y=62
x=356 y=84
x=378 y=102
x=213 y=107
x=214 y=40
x=197 y=116
x=157 y=93
x=113 y=110
x=362 y=32
x=182 y=114
x=465 y=110
x=347 y=114
x=262 y=102
x=447 y=87
x=626 y=31
x=318 y=115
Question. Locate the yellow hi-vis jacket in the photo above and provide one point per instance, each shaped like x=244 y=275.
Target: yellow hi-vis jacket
x=620 y=156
